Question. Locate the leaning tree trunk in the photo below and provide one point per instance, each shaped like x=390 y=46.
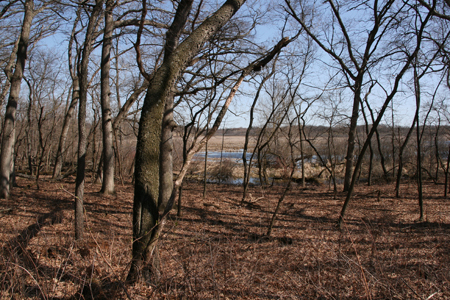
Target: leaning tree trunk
x=147 y=199
x=400 y=155
x=8 y=137
x=380 y=152
x=107 y=127
x=288 y=185
x=247 y=171
x=369 y=172
x=352 y=133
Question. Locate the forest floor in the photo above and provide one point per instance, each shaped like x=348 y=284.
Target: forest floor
x=218 y=248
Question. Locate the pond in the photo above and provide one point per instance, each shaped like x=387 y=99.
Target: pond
x=214 y=156
x=236 y=156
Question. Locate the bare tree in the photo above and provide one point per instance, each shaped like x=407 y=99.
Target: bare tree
x=292 y=166
x=333 y=116
x=419 y=26
x=75 y=90
x=247 y=170
x=8 y=137
x=46 y=92
x=154 y=190
x=354 y=54
x=82 y=74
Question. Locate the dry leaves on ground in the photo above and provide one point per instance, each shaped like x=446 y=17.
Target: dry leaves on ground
x=218 y=248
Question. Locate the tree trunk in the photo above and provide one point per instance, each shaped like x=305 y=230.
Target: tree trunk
x=147 y=223
x=108 y=139
x=72 y=105
x=352 y=134
x=288 y=184
x=302 y=155
x=28 y=129
x=446 y=173
x=274 y=215
x=380 y=152
x=65 y=129
x=369 y=173
x=205 y=168
x=400 y=155
x=221 y=153
x=419 y=154
x=393 y=141
x=8 y=137
x=82 y=137
x=332 y=158
x=95 y=161
x=439 y=163
x=247 y=171
x=180 y=194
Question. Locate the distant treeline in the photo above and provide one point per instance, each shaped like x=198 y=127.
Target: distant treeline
x=341 y=130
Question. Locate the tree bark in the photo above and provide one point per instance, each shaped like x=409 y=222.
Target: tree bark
x=107 y=127
x=8 y=137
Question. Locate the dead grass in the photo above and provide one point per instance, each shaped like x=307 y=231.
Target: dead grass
x=218 y=249
x=231 y=143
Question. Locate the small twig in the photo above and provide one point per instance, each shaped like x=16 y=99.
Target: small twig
x=64 y=190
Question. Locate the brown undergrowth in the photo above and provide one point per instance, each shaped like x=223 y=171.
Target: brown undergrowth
x=218 y=249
